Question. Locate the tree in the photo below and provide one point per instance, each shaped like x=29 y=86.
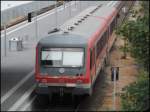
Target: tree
x=136 y=95
x=137 y=33
x=124 y=32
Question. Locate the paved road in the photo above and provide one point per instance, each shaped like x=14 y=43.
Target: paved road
x=17 y=68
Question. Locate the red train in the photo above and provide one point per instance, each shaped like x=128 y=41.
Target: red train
x=69 y=59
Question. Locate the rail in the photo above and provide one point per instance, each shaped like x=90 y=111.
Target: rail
x=75 y=106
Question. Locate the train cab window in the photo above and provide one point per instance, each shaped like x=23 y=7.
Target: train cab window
x=71 y=58
x=62 y=57
x=51 y=58
x=112 y=26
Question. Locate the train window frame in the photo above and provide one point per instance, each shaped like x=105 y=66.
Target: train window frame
x=102 y=41
x=92 y=57
x=112 y=26
x=49 y=66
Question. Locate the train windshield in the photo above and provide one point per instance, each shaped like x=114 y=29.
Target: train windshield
x=62 y=57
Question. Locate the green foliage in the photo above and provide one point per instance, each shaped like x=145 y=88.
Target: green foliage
x=136 y=96
x=139 y=38
x=145 y=7
x=137 y=33
x=123 y=48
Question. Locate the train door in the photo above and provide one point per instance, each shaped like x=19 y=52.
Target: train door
x=92 y=64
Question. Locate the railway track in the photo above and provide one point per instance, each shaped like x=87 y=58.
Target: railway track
x=59 y=103
x=65 y=103
x=77 y=103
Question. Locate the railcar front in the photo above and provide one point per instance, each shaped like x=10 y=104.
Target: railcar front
x=61 y=65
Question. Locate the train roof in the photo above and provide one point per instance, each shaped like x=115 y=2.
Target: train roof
x=95 y=18
x=84 y=25
x=63 y=40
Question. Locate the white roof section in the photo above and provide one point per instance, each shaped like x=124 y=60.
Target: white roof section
x=91 y=21
x=77 y=18
x=10 y=4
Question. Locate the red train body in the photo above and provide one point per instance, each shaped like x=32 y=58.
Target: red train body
x=85 y=41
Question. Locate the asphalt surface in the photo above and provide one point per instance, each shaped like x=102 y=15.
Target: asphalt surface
x=17 y=68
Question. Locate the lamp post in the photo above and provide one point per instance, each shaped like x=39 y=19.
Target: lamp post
x=70 y=8
x=114 y=94
x=5 y=36
x=87 y=3
x=64 y=4
x=36 y=27
x=114 y=78
x=80 y=5
x=56 y=23
x=75 y=4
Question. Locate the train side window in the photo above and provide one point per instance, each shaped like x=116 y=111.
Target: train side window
x=112 y=25
x=115 y=23
x=98 y=47
x=117 y=19
x=118 y=15
x=101 y=43
x=92 y=58
x=104 y=39
x=107 y=34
